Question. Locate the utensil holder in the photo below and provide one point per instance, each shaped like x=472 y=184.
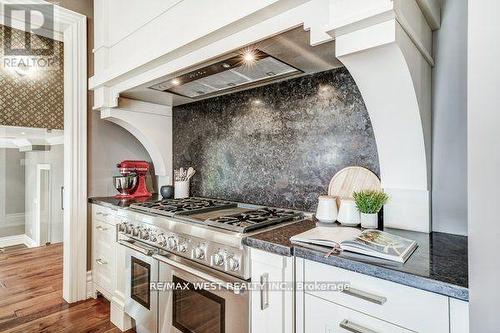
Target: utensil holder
x=181 y=189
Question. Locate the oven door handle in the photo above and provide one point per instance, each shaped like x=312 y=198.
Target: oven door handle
x=204 y=275
x=133 y=246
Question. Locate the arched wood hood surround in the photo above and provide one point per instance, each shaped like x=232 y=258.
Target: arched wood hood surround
x=385 y=44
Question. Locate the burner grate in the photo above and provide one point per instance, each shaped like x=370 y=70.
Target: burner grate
x=173 y=207
x=253 y=219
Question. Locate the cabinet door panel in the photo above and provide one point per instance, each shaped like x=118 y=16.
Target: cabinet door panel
x=401 y=305
x=323 y=316
x=272 y=308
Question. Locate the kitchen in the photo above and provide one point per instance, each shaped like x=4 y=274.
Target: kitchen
x=237 y=153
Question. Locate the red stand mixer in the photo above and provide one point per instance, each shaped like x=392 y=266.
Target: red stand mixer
x=128 y=185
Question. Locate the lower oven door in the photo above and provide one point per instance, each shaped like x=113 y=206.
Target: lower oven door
x=141 y=302
x=192 y=306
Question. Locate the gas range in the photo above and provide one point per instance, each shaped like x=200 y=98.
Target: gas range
x=205 y=231
x=174 y=207
x=227 y=215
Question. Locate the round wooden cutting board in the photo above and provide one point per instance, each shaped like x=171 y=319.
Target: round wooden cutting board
x=352 y=179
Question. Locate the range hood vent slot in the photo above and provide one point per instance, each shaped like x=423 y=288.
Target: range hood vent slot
x=230 y=74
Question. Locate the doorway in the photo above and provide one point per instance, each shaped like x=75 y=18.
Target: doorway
x=70 y=28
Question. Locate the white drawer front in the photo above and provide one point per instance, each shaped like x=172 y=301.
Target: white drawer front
x=103 y=214
x=408 y=307
x=323 y=316
x=103 y=273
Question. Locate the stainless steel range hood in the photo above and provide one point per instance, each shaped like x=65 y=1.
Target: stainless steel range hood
x=277 y=58
x=246 y=68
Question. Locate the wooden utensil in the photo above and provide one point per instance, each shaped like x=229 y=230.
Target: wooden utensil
x=190 y=173
x=352 y=179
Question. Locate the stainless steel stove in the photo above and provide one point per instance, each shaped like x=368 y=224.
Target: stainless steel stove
x=187 y=241
x=173 y=207
x=206 y=231
x=246 y=218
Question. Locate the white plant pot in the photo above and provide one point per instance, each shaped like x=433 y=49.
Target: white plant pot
x=369 y=221
x=181 y=189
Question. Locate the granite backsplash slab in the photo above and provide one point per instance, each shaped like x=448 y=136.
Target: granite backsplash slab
x=276 y=145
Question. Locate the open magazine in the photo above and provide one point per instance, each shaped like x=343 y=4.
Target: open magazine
x=373 y=243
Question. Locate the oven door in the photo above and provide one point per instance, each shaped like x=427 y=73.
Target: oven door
x=192 y=306
x=141 y=302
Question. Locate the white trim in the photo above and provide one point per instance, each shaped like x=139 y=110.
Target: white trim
x=17 y=240
x=28 y=241
x=74 y=28
x=37 y=225
x=75 y=157
x=12 y=240
x=90 y=286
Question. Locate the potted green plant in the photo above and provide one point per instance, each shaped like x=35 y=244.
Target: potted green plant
x=369 y=203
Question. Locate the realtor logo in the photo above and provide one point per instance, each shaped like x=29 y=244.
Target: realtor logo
x=28 y=39
x=38 y=19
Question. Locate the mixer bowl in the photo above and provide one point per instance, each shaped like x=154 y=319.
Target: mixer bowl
x=125 y=184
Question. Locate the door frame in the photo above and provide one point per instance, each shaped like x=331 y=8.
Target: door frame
x=38 y=223
x=72 y=27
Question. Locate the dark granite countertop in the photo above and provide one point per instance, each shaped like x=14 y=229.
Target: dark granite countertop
x=120 y=203
x=438 y=265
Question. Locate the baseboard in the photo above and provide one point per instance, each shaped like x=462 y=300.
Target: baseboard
x=17 y=240
x=29 y=242
x=90 y=286
x=118 y=316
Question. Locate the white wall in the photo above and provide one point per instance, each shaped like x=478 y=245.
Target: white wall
x=109 y=144
x=54 y=157
x=483 y=114
x=11 y=192
x=449 y=167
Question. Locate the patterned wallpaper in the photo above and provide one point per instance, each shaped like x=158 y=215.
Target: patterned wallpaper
x=31 y=96
x=276 y=145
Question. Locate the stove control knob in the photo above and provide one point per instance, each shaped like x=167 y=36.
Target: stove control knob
x=122 y=227
x=217 y=259
x=129 y=228
x=153 y=238
x=198 y=253
x=136 y=231
x=182 y=247
x=171 y=243
x=161 y=240
x=144 y=234
x=232 y=264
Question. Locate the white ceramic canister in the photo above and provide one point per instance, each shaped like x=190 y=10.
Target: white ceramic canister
x=327 y=209
x=348 y=213
x=181 y=189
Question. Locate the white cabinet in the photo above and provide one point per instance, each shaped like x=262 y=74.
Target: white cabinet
x=108 y=262
x=398 y=304
x=272 y=309
x=323 y=316
x=371 y=305
x=103 y=250
x=459 y=316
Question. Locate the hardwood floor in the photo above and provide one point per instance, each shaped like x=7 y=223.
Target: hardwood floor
x=31 y=296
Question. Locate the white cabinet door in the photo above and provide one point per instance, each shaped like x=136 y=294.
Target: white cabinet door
x=395 y=303
x=324 y=316
x=103 y=250
x=459 y=316
x=272 y=309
